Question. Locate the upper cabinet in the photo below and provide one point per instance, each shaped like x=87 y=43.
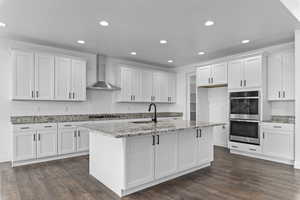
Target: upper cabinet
x=40 y=76
x=281 y=80
x=212 y=75
x=245 y=73
x=147 y=86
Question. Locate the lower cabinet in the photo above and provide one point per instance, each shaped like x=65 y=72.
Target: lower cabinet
x=150 y=158
x=24 y=145
x=46 y=143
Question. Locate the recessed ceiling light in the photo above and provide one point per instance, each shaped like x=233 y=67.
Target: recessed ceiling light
x=209 y=23
x=104 y=23
x=201 y=53
x=170 y=61
x=2 y=25
x=163 y=41
x=80 y=41
x=245 y=41
x=133 y=53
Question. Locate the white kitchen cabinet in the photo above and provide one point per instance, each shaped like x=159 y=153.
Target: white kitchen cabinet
x=82 y=139
x=281 y=80
x=130 y=84
x=78 y=86
x=212 y=75
x=166 y=154
x=245 y=73
x=24 y=145
x=23 y=75
x=44 y=77
x=46 y=143
x=160 y=87
x=139 y=160
x=67 y=140
x=172 y=88
x=187 y=149
x=278 y=142
x=146 y=85
x=205 y=146
x=63 y=78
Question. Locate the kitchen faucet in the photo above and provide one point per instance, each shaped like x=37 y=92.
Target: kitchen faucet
x=154 y=119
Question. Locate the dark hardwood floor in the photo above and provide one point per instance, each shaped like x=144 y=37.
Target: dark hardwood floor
x=230 y=177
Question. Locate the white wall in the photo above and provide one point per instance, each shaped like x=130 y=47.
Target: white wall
x=98 y=101
x=297 y=99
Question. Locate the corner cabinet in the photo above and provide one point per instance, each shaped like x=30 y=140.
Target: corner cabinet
x=245 y=73
x=212 y=75
x=41 y=76
x=281 y=76
x=147 y=86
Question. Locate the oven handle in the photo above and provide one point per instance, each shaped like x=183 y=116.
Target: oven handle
x=241 y=120
x=244 y=97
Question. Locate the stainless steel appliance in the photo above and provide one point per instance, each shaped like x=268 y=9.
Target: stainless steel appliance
x=244 y=105
x=246 y=131
x=244 y=117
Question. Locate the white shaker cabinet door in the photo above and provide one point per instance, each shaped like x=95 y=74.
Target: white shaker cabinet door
x=44 y=77
x=160 y=87
x=82 y=139
x=139 y=160
x=146 y=86
x=288 y=75
x=24 y=145
x=172 y=88
x=126 y=82
x=275 y=76
x=187 y=149
x=235 y=74
x=23 y=75
x=166 y=155
x=46 y=143
x=203 y=76
x=63 y=78
x=252 y=72
x=67 y=141
x=205 y=146
x=78 y=80
x=219 y=74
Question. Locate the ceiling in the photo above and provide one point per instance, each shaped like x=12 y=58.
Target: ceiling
x=139 y=25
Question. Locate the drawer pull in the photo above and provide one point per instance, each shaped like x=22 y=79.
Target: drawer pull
x=234 y=146
x=47 y=126
x=67 y=125
x=277 y=127
x=252 y=149
x=25 y=128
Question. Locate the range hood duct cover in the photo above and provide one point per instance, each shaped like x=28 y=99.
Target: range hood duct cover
x=101 y=84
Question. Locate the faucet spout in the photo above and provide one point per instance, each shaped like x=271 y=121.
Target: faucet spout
x=154 y=118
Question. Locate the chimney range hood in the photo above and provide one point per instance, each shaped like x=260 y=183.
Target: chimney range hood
x=101 y=84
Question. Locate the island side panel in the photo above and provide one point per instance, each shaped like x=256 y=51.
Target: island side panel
x=107 y=161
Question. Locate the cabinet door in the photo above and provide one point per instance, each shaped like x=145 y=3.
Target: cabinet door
x=146 y=86
x=252 y=72
x=219 y=74
x=288 y=75
x=63 y=78
x=23 y=75
x=66 y=141
x=205 y=146
x=278 y=144
x=46 y=143
x=166 y=155
x=126 y=82
x=235 y=74
x=160 y=87
x=44 y=77
x=187 y=149
x=24 y=145
x=78 y=80
x=275 y=76
x=172 y=88
x=135 y=85
x=139 y=160
x=203 y=76
x=82 y=139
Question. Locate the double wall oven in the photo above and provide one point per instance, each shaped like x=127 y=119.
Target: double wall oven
x=245 y=117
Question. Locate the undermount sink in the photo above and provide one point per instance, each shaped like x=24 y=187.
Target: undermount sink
x=143 y=122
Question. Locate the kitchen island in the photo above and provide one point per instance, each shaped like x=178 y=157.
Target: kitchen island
x=130 y=156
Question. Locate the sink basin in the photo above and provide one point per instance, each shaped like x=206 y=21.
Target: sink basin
x=143 y=122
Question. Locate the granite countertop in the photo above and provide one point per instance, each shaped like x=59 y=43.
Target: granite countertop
x=127 y=129
x=87 y=117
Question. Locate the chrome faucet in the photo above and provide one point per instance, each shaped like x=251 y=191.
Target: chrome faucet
x=154 y=119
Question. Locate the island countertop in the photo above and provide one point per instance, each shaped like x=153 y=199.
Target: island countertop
x=127 y=129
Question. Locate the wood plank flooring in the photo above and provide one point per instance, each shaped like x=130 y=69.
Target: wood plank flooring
x=230 y=177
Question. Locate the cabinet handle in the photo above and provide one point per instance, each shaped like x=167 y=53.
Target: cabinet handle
x=209 y=80
x=196 y=133
x=32 y=94
x=153 y=98
x=153 y=140
x=33 y=137
x=70 y=95
x=212 y=80
x=252 y=149
x=39 y=137
x=283 y=94
x=67 y=125
x=78 y=133
x=200 y=133
x=279 y=94
x=234 y=147
x=74 y=133
x=73 y=95
x=134 y=97
x=158 y=139
x=37 y=94
x=241 y=83
x=263 y=135
x=277 y=127
x=245 y=83
x=47 y=126
x=24 y=128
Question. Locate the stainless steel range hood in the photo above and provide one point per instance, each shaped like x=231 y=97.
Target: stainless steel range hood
x=101 y=84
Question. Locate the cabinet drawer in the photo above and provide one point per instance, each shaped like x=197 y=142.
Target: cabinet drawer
x=245 y=147
x=24 y=127
x=278 y=126
x=46 y=126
